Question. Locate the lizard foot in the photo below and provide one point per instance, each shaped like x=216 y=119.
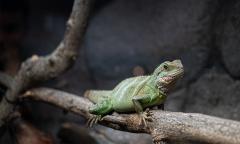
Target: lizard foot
x=146 y=116
x=93 y=120
x=159 y=142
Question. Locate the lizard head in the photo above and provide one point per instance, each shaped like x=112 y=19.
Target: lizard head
x=167 y=73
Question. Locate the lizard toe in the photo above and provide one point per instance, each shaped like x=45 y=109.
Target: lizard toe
x=144 y=121
x=144 y=116
x=93 y=120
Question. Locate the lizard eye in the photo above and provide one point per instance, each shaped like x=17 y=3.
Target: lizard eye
x=165 y=67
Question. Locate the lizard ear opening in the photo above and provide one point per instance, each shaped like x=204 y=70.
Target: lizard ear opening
x=157 y=72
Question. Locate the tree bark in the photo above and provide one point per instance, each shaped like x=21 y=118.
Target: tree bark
x=166 y=125
x=41 y=68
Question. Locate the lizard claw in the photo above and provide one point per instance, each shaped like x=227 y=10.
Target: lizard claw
x=148 y=113
x=93 y=120
x=159 y=142
x=146 y=116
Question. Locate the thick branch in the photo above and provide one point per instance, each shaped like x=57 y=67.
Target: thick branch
x=5 y=80
x=166 y=125
x=43 y=68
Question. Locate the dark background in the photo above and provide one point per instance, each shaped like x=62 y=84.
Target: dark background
x=125 y=36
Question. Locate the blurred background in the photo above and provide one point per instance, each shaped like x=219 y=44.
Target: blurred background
x=123 y=39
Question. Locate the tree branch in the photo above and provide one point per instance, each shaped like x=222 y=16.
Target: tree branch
x=165 y=126
x=5 y=80
x=39 y=68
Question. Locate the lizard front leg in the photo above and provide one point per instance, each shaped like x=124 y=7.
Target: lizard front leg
x=99 y=110
x=138 y=102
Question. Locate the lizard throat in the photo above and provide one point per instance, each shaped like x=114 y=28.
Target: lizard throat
x=165 y=84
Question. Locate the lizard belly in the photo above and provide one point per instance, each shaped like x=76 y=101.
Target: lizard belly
x=156 y=101
x=123 y=106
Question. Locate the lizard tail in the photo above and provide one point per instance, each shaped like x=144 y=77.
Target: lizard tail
x=96 y=96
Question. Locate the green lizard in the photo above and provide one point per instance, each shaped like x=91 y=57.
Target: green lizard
x=136 y=93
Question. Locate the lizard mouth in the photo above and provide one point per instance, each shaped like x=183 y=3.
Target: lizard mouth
x=173 y=76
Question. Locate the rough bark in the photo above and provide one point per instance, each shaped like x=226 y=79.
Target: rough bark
x=5 y=80
x=40 y=68
x=165 y=126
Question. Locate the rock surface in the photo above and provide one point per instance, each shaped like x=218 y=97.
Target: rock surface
x=228 y=39
x=125 y=34
x=214 y=94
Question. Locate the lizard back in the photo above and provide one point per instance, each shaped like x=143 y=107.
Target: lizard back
x=122 y=94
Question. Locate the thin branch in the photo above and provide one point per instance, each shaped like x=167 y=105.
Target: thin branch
x=39 y=68
x=165 y=126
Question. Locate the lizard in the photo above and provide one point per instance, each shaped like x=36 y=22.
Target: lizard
x=136 y=93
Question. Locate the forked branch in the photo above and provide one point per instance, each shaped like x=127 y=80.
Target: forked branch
x=41 y=68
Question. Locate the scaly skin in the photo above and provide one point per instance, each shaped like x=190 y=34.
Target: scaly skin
x=136 y=93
